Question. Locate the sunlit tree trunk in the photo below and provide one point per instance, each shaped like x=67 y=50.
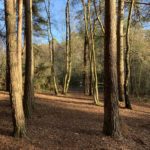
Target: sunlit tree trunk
x=94 y=71
x=19 y=39
x=111 y=111
x=29 y=68
x=68 y=50
x=89 y=31
x=93 y=58
x=51 y=46
x=52 y=68
x=98 y=16
x=127 y=59
x=120 y=50
x=15 y=92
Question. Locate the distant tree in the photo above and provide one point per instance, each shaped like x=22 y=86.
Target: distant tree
x=98 y=15
x=90 y=34
x=139 y=61
x=111 y=111
x=7 y=81
x=68 y=50
x=93 y=65
x=51 y=42
x=29 y=62
x=127 y=59
x=92 y=26
x=86 y=72
x=15 y=90
x=120 y=50
x=86 y=51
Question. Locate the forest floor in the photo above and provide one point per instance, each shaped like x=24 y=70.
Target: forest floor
x=74 y=123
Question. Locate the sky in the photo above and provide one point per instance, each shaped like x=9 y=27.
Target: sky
x=58 y=20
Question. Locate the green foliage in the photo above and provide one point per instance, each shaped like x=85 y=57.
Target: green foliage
x=140 y=61
x=38 y=19
x=42 y=63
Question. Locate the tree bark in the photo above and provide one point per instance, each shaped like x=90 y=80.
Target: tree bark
x=86 y=20
x=120 y=50
x=68 y=50
x=19 y=40
x=15 y=92
x=7 y=77
x=52 y=67
x=51 y=47
x=93 y=58
x=111 y=111
x=127 y=59
x=86 y=70
x=94 y=71
x=90 y=47
x=89 y=32
x=87 y=74
x=98 y=17
x=29 y=68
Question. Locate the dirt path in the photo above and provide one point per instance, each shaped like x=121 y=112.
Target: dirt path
x=72 y=123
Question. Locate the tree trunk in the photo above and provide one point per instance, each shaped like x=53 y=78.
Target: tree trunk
x=19 y=40
x=86 y=21
x=29 y=68
x=127 y=60
x=52 y=68
x=7 y=80
x=89 y=31
x=89 y=47
x=15 y=92
x=7 y=77
x=111 y=111
x=120 y=50
x=51 y=47
x=94 y=79
x=98 y=16
x=86 y=70
x=90 y=76
x=93 y=60
x=94 y=72
x=68 y=50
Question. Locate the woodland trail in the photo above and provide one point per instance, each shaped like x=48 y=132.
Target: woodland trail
x=73 y=123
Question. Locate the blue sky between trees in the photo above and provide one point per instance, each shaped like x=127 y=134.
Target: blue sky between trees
x=58 y=19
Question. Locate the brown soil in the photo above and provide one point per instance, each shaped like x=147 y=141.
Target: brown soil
x=72 y=123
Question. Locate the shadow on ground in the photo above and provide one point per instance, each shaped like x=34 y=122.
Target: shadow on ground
x=59 y=123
